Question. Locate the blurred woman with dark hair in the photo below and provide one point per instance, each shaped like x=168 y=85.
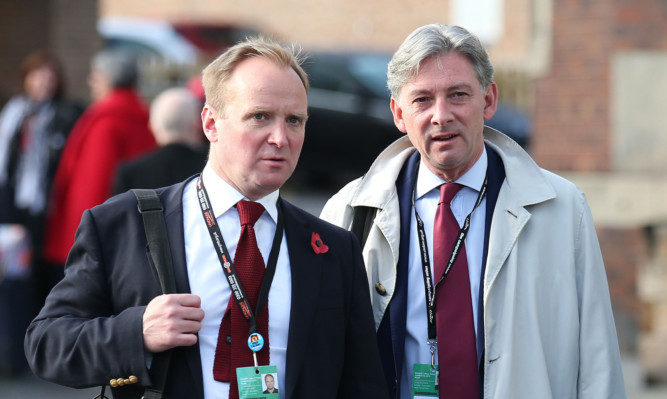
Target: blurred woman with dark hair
x=34 y=126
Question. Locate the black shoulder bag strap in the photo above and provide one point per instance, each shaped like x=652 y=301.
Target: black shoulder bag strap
x=362 y=222
x=152 y=213
x=151 y=210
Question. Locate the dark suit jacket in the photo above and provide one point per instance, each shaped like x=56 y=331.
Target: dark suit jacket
x=163 y=167
x=90 y=329
x=391 y=333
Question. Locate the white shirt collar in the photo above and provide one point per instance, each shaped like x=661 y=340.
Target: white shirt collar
x=223 y=196
x=474 y=178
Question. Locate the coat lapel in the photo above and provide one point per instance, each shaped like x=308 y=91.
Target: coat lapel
x=508 y=221
x=524 y=185
x=305 y=268
x=173 y=209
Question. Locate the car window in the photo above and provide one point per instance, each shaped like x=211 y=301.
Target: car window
x=371 y=69
x=353 y=73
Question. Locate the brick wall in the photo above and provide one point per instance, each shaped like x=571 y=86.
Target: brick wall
x=73 y=36
x=22 y=29
x=623 y=250
x=572 y=111
x=573 y=119
x=317 y=24
x=334 y=25
x=66 y=27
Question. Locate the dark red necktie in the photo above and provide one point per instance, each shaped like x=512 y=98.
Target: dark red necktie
x=457 y=352
x=232 y=350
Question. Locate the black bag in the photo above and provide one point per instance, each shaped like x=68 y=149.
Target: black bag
x=151 y=210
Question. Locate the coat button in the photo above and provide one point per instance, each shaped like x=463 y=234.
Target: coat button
x=229 y=339
x=133 y=379
x=113 y=383
x=120 y=382
x=380 y=289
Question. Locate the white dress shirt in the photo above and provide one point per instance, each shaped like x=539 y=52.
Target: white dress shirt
x=207 y=278
x=427 y=196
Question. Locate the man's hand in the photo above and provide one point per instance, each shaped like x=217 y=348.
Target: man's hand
x=172 y=320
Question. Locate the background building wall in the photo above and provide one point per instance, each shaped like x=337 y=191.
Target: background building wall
x=599 y=120
x=334 y=25
x=573 y=114
x=66 y=27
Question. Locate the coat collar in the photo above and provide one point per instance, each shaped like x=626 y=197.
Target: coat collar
x=376 y=188
x=524 y=178
x=525 y=184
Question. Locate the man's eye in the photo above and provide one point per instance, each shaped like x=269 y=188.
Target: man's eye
x=294 y=121
x=259 y=117
x=420 y=100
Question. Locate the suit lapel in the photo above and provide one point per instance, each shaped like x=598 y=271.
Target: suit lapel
x=495 y=173
x=173 y=209
x=399 y=302
x=305 y=268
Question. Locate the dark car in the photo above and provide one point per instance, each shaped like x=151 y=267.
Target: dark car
x=349 y=121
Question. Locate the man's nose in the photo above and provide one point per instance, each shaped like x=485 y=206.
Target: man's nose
x=278 y=134
x=442 y=112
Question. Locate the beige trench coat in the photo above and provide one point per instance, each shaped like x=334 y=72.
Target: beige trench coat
x=548 y=323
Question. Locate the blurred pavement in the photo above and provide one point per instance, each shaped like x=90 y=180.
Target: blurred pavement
x=31 y=387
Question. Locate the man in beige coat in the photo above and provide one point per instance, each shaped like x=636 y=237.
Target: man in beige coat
x=539 y=302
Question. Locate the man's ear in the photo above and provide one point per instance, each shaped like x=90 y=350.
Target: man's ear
x=398 y=114
x=208 y=118
x=490 y=101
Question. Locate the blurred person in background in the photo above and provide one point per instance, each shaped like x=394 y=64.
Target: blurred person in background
x=34 y=126
x=175 y=121
x=482 y=263
x=113 y=129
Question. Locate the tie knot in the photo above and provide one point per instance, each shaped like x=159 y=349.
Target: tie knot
x=249 y=211
x=448 y=191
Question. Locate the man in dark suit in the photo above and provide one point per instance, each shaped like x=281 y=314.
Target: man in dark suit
x=176 y=124
x=107 y=320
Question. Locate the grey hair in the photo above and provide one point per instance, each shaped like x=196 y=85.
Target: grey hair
x=118 y=66
x=433 y=40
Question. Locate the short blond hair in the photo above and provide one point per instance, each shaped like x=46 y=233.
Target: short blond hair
x=216 y=75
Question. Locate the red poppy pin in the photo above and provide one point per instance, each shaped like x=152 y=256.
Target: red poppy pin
x=318 y=246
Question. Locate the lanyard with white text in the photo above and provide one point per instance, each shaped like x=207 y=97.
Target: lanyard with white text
x=429 y=287
x=228 y=266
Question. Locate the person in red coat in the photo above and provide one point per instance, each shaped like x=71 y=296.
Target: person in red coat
x=112 y=130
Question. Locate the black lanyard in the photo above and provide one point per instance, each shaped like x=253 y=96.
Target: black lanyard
x=429 y=288
x=228 y=266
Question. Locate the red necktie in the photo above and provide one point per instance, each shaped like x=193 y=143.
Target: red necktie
x=232 y=350
x=457 y=353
